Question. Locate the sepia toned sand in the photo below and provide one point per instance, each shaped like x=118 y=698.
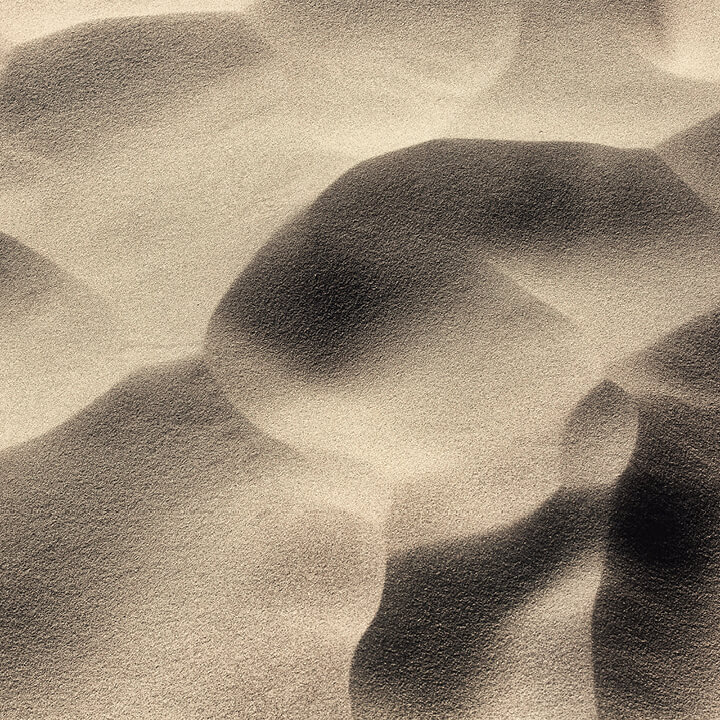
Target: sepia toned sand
x=359 y=361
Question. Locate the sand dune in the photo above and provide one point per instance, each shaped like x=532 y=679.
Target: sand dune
x=655 y=623
x=163 y=558
x=31 y=285
x=443 y=309
x=194 y=188
x=682 y=365
x=449 y=612
x=367 y=240
x=373 y=322
x=441 y=648
x=411 y=244
x=575 y=224
x=600 y=435
x=694 y=154
x=369 y=275
x=583 y=72
x=497 y=624
x=200 y=189
x=62 y=92
x=59 y=342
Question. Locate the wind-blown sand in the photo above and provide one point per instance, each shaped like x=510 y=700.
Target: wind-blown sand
x=163 y=557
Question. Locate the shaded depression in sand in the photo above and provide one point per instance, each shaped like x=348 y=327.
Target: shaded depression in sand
x=412 y=365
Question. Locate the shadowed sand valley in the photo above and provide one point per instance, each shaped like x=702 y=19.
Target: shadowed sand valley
x=359 y=361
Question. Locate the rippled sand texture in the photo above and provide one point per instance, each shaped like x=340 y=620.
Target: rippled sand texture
x=359 y=361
